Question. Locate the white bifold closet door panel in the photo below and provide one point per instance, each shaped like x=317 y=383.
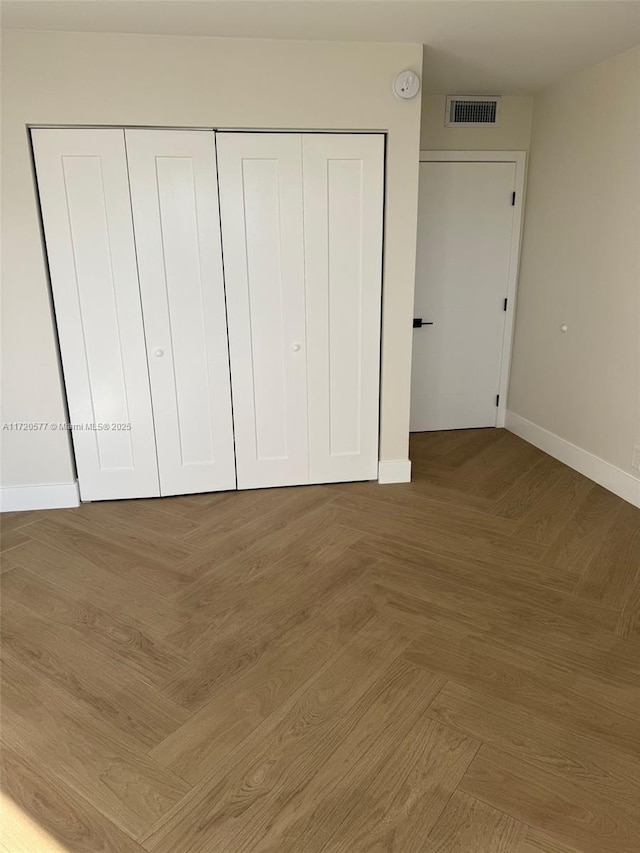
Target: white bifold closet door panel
x=84 y=198
x=302 y=236
x=260 y=181
x=174 y=196
x=343 y=178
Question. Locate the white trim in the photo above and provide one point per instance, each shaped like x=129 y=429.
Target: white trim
x=394 y=471
x=520 y=160
x=473 y=156
x=358 y=130
x=46 y=496
x=625 y=485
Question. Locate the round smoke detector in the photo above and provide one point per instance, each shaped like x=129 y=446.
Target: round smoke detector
x=406 y=85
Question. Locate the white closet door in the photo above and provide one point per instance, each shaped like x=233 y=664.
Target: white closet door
x=84 y=197
x=174 y=198
x=343 y=199
x=260 y=178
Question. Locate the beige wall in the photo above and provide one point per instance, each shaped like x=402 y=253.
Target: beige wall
x=581 y=263
x=512 y=133
x=77 y=78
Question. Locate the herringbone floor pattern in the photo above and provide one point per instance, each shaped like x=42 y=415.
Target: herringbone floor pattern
x=447 y=665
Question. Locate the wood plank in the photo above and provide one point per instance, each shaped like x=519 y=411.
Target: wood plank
x=528 y=488
x=58 y=812
x=582 y=534
x=451 y=447
x=88 y=580
x=559 y=504
x=238 y=561
x=461 y=446
x=418 y=492
x=467 y=824
x=106 y=633
x=236 y=710
x=9 y=559
x=495 y=617
x=607 y=772
x=485 y=567
x=15 y=520
x=404 y=800
x=199 y=508
x=60 y=659
x=428 y=514
x=614 y=568
x=280 y=758
x=11 y=538
x=110 y=524
x=157 y=573
x=540 y=842
x=99 y=762
x=551 y=803
x=157 y=519
x=493 y=471
x=222 y=653
x=551 y=632
x=628 y=626
x=586 y=706
x=384 y=734
x=278 y=508
x=221 y=587
x=453 y=537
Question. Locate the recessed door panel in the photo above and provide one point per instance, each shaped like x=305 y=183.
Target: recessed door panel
x=175 y=211
x=84 y=198
x=260 y=178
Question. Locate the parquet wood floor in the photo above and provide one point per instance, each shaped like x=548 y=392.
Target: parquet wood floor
x=447 y=665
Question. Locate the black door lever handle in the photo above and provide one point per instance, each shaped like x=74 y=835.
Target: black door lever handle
x=418 y=323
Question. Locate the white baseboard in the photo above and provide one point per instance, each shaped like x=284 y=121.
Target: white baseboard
x=626 y=486
x=394 y=471
x=47 y=496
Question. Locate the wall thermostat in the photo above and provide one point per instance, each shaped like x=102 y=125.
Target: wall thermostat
x=406 y=85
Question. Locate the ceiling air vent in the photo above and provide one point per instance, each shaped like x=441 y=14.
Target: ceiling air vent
x=470 y=110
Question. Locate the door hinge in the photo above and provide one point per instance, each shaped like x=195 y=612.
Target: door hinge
x=513 y=198
x=504 y=305
x=497 y=399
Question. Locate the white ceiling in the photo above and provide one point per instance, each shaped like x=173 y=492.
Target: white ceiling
x=471 y=46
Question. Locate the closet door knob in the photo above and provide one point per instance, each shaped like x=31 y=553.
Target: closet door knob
x=295 y=347
x=158 y=353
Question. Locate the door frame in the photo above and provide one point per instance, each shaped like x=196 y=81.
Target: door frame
x=519 y=158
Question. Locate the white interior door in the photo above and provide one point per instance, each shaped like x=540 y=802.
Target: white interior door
x=174 y=197
x=84 y=198
x=260 y=181
x=343 y=199
x=464 y=245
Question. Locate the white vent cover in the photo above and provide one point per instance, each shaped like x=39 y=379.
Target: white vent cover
x=470 y=110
